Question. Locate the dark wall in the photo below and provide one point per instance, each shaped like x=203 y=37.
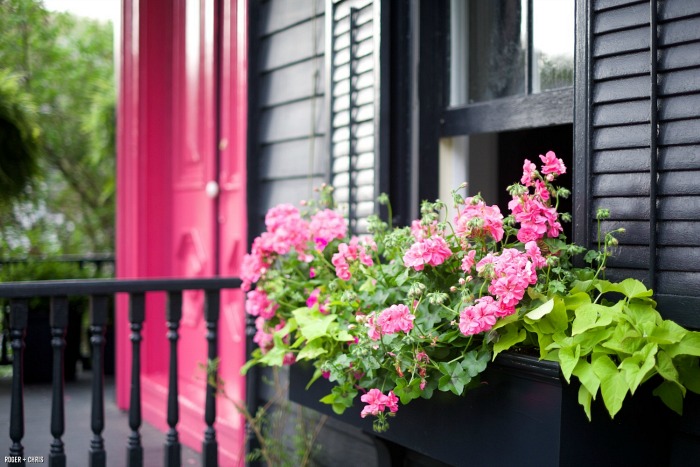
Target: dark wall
x=645 y=144
x=288 y=119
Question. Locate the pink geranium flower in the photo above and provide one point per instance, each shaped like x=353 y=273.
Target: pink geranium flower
x=479 y=220
x=326 y=226
x=479 y=317
x=551 y=164
x=258 y=304
x=395 y=318
x=432 y=251
x=377 y=402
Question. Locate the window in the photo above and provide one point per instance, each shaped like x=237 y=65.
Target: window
x=509 y=67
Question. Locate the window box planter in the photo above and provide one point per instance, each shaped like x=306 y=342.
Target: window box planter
x=523 y=413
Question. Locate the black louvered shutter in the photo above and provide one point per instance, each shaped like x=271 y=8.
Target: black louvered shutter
x=353 y=77
x=645 y=144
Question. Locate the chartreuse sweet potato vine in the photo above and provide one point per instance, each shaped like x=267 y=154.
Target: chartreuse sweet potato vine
x=404 y=312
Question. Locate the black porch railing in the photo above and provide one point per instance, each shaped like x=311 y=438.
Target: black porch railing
x=99 y=290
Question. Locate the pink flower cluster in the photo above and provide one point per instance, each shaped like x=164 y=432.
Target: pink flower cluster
x=352 y=252
x=390 y=321
x=314 y=300
x=510 y=274
x=478 y=220
x=536 y=217
x=327 y=225
x=287 y=231
x=258 y=304
x=420 y=231
x=377 y=402
x=432 y=251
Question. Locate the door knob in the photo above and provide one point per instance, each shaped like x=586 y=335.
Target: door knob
x=212 y=189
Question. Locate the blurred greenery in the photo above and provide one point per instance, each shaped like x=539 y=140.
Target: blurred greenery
x=65 y=65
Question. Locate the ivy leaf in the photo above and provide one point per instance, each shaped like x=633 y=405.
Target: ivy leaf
x=613 y=386
x=666 y=368
x=584 y=372
x=576 y=300
x=667 y=333
x=584 y=398
x=671 y=395
x=311 y=350
x=407 y=391
x=639 y=314
x=593 y=315
x=636 y=367
x=275 y=356
x=624 y=339
x=454 y=377
x=568 y=359
x=475 y=362
x=689 y=345
x=541 y=310
x=510 y=336
x=311 y=323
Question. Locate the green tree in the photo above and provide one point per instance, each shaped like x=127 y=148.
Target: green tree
x=65 y=64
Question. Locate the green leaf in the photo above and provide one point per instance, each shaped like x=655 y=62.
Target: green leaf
x=593 y=315
x=311 y=351
x=584 y=372
x=275 y=356
x=510 y=336
x=624 y=339
x=631 y=288
x=406 y=391
x=667 y=333
x=312 y=324
x=689 y=345
x=541 y=310
x=613 y=386
x=454 y=377
x=671 y=395
x=584 y=398
x=576 y=300
x=640 y=313
x=666 y=368
x=637 y=367
x=568 y=359
x=475 y=362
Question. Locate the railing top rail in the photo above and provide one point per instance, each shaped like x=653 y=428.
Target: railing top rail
x=31 y=289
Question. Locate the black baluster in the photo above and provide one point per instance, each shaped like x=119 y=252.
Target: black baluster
x=173 y=315
x=98 y=321
x=211 y=315
x=59 y=323
x=19 y=310
x=137 y=312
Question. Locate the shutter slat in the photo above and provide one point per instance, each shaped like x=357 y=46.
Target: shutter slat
x=669 y=10
x=631 y=40
x=678 y=82
x=680 y=132
x=672 y=108
x=622 y=89
x=683 y=233
x=622 y=137
x=685 y=208
x=618 y=66
x=629 y=184
x=621 y=160
x=676 y=32
x=621 y=113
x=679 y=183
x=679 y=157
x=623 y=208
x=621 y=18
x=679 y=56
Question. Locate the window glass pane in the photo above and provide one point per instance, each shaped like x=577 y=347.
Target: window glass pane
x=488 y=46
x=553 y=44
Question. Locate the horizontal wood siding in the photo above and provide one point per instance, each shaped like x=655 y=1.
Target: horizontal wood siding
x=631 y=161
x=290 y=125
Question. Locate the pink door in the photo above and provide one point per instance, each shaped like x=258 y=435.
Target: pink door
x=193 y=219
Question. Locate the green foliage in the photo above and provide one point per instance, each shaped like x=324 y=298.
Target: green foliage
x=377 y=322
x=19 y=138
x=65 y=64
